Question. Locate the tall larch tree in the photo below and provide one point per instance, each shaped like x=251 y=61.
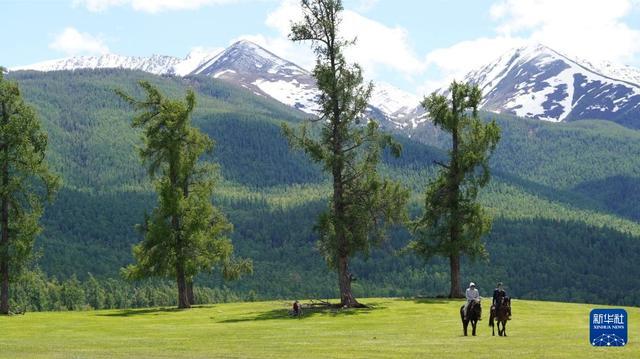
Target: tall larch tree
x=185 y=234
x=454 y=222
x=348 y=147
x=25 y=184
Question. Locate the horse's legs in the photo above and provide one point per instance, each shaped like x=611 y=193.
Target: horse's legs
x=491 y=321
x=502 y=328
x=473 y=325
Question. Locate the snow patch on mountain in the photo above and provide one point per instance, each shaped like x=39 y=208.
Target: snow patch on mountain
x=614 y=71
x=393 y=101
x=291 y=94
x=194 y=59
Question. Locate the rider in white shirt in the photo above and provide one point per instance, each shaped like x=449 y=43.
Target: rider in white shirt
x=472 y=295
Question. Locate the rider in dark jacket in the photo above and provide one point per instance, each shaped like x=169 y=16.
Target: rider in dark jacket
x=498 y=294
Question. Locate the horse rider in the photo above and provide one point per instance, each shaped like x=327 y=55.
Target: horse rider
x=472 y=295
x=498 y=294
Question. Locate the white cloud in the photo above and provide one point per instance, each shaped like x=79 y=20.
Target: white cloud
x=281 y=18
x=378 y=46
x=589 y=29
x=150 y=6
x=98 y=5
x=592 y=29
x=453 y=62
x=366 y=5
x=72 y=42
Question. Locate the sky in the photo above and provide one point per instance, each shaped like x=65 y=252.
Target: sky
x=415 y=45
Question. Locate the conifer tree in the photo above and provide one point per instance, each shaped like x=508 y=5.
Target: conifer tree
x=454 y=222
x=362 y=204
x=185 y=234
x=25 y=182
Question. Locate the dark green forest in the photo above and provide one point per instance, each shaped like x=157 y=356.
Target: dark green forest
x=564 y=198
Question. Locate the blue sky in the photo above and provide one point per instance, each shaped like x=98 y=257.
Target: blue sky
x=415 y=45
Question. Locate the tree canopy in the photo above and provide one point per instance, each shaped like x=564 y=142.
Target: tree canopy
x=185 y=234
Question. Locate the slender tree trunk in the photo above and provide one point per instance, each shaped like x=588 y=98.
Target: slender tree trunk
x=190 y=296
x=456 y=288
x=4 y=241
x=181 y=278
x=183 y=298
x=344 y=278
x=454 y=230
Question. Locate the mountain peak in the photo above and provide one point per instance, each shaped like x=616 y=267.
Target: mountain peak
x=538 y=82
x=251 y=66
x=246 y=57
x=246 y=44
x=534 y=48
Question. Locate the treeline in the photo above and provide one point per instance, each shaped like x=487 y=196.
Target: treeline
x=526 y=254
x=34 y=291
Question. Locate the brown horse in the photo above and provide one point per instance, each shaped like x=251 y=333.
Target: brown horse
x=474 y=313
x=501 y=316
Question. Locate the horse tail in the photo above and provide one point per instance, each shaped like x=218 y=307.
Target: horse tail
x=491 y=320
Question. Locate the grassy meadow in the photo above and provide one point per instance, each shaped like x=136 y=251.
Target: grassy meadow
x=402 y=328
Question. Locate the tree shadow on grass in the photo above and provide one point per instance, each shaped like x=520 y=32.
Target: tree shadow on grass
x=144 y=311
x=307 y=313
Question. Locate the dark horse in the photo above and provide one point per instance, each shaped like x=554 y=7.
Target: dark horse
x=475 y=310
x=501 y=316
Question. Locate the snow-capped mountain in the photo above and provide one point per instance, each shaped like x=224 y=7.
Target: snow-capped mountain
x=251 y=66
x=534 y=81
x=538 y=82
x=263 y=72
x=156 y=64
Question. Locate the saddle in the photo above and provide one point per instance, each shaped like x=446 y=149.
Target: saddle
x=504 y=301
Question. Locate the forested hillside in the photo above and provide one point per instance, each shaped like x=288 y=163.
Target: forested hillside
x=564 y=196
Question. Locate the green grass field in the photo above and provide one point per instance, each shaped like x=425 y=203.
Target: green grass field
x=402 y=328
